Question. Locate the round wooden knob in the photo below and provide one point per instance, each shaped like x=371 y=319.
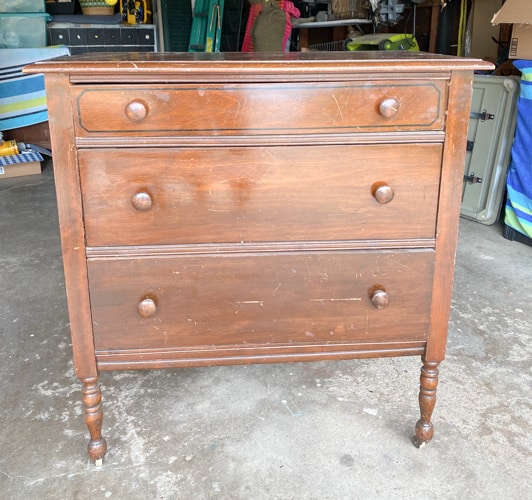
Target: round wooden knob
x=137 y=110
x=389 y=107
x=141 y=201
x=379 y=298
x=383 y=193
x=147 y=308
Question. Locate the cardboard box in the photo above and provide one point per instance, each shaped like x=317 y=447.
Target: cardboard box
x=518 y=13
x=19 y=165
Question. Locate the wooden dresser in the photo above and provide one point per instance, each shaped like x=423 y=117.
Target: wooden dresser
x=240 y=208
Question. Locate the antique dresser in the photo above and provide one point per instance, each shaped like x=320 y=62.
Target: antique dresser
x=245 y=208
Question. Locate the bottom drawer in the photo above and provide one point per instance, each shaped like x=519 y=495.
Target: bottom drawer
x=258 y=299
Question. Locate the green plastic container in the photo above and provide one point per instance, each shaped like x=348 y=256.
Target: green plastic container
x=22 y=6
x=24 y=30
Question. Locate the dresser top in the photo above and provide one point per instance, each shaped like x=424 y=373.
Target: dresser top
x=152 y=64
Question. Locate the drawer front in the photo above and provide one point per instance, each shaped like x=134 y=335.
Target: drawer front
x=259 y=194
x=309 y=298
x=233 y=109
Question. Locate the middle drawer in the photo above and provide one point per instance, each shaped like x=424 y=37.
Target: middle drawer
x=259 y=194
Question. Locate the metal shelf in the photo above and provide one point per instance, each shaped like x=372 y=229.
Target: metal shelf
x=326 y=24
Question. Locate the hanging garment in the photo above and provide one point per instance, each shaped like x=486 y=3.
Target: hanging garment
x=255 y=8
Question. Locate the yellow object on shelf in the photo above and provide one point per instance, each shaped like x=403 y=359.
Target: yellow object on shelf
x=137 y=11
x=9 y=148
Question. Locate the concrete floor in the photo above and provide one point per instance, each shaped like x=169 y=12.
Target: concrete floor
x=324 y=430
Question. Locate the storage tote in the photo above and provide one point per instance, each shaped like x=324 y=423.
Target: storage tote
x=23 y=30
x=22 y=6
x=489 y=143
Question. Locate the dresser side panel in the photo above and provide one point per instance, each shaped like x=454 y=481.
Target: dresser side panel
x=460 y=93
x=70 y=214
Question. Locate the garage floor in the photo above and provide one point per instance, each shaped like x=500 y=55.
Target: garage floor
x=324 y=430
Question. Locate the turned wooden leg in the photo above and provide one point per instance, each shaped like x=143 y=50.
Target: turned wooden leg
x=427 y=400
x=92 y=405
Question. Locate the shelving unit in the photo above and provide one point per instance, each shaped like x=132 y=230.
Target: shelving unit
x=82 y=38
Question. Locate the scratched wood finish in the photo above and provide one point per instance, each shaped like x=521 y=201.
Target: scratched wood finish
x=311 y=297
x=290 y=193
x=260 y=109
x=255 y=208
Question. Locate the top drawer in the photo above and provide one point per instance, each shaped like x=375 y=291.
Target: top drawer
x=260 y=109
